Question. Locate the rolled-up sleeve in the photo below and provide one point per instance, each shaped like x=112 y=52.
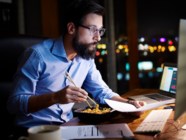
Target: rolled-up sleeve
x=24 y=82
x=95 y=85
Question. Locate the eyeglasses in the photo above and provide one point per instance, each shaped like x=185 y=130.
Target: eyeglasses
x=93 y=29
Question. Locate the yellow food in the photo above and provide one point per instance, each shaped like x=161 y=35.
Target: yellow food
x=96 y=110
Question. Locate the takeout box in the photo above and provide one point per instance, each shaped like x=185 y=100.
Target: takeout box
x=93 y=118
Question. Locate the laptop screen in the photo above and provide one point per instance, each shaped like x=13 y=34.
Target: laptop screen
x=168 y=80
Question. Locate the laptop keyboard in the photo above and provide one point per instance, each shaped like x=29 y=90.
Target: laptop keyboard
x=158 y=97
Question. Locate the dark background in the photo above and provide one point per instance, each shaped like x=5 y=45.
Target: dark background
x=155 y=19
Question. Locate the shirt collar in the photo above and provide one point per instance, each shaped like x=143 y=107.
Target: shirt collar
x=59 y=50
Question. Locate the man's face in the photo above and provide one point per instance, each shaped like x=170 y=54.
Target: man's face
x=85 y=50
x=86 y=39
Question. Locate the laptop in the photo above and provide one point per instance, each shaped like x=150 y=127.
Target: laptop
x=167 y=88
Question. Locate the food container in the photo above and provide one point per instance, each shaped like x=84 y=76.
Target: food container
x=94 y=117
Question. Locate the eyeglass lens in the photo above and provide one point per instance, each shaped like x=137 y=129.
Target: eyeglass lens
x=94 y=30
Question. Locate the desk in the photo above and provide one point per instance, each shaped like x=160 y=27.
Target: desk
x=170 y=132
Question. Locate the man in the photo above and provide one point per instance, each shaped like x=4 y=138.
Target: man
x=42 y=94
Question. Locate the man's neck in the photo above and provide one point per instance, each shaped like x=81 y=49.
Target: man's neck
x=71 y=53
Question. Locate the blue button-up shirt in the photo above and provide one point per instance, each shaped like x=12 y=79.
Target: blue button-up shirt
x=42 y=71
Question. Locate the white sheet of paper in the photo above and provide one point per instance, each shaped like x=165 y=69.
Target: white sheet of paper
x=96 y=131
x=125 y=107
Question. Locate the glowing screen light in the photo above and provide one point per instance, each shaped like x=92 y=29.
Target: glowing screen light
x=145 y=65
x=162 y=39
x=119 y=76
x=127 y=76
x=127 y=66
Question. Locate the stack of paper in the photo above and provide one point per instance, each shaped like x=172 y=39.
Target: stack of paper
x=120 y=130
x=125 y=107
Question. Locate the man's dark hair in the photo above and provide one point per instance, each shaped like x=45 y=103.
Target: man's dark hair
x=76 y=10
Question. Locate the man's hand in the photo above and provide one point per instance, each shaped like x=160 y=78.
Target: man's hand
x=71 y=94
x=137 y=104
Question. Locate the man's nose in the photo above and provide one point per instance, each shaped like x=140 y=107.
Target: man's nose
x=97 y=36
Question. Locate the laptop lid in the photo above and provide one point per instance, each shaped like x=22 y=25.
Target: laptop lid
x=167 y=86
x=168 y=79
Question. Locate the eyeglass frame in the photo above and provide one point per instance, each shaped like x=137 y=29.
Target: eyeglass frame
x=93 y=29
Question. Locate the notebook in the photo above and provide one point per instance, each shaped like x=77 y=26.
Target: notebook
x=167 y=88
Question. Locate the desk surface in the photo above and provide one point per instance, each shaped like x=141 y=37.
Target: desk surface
x=172 y=130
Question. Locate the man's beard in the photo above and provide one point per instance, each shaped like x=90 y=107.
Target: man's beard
x=86 y=51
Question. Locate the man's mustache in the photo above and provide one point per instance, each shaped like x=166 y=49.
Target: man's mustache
x=93 y=43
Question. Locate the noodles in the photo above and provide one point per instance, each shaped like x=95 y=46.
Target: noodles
x=97 y=110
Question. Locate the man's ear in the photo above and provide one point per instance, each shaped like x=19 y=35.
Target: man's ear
x=71 y=28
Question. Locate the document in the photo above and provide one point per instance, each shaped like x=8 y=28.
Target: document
x=118 y=130
x=125 y=107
